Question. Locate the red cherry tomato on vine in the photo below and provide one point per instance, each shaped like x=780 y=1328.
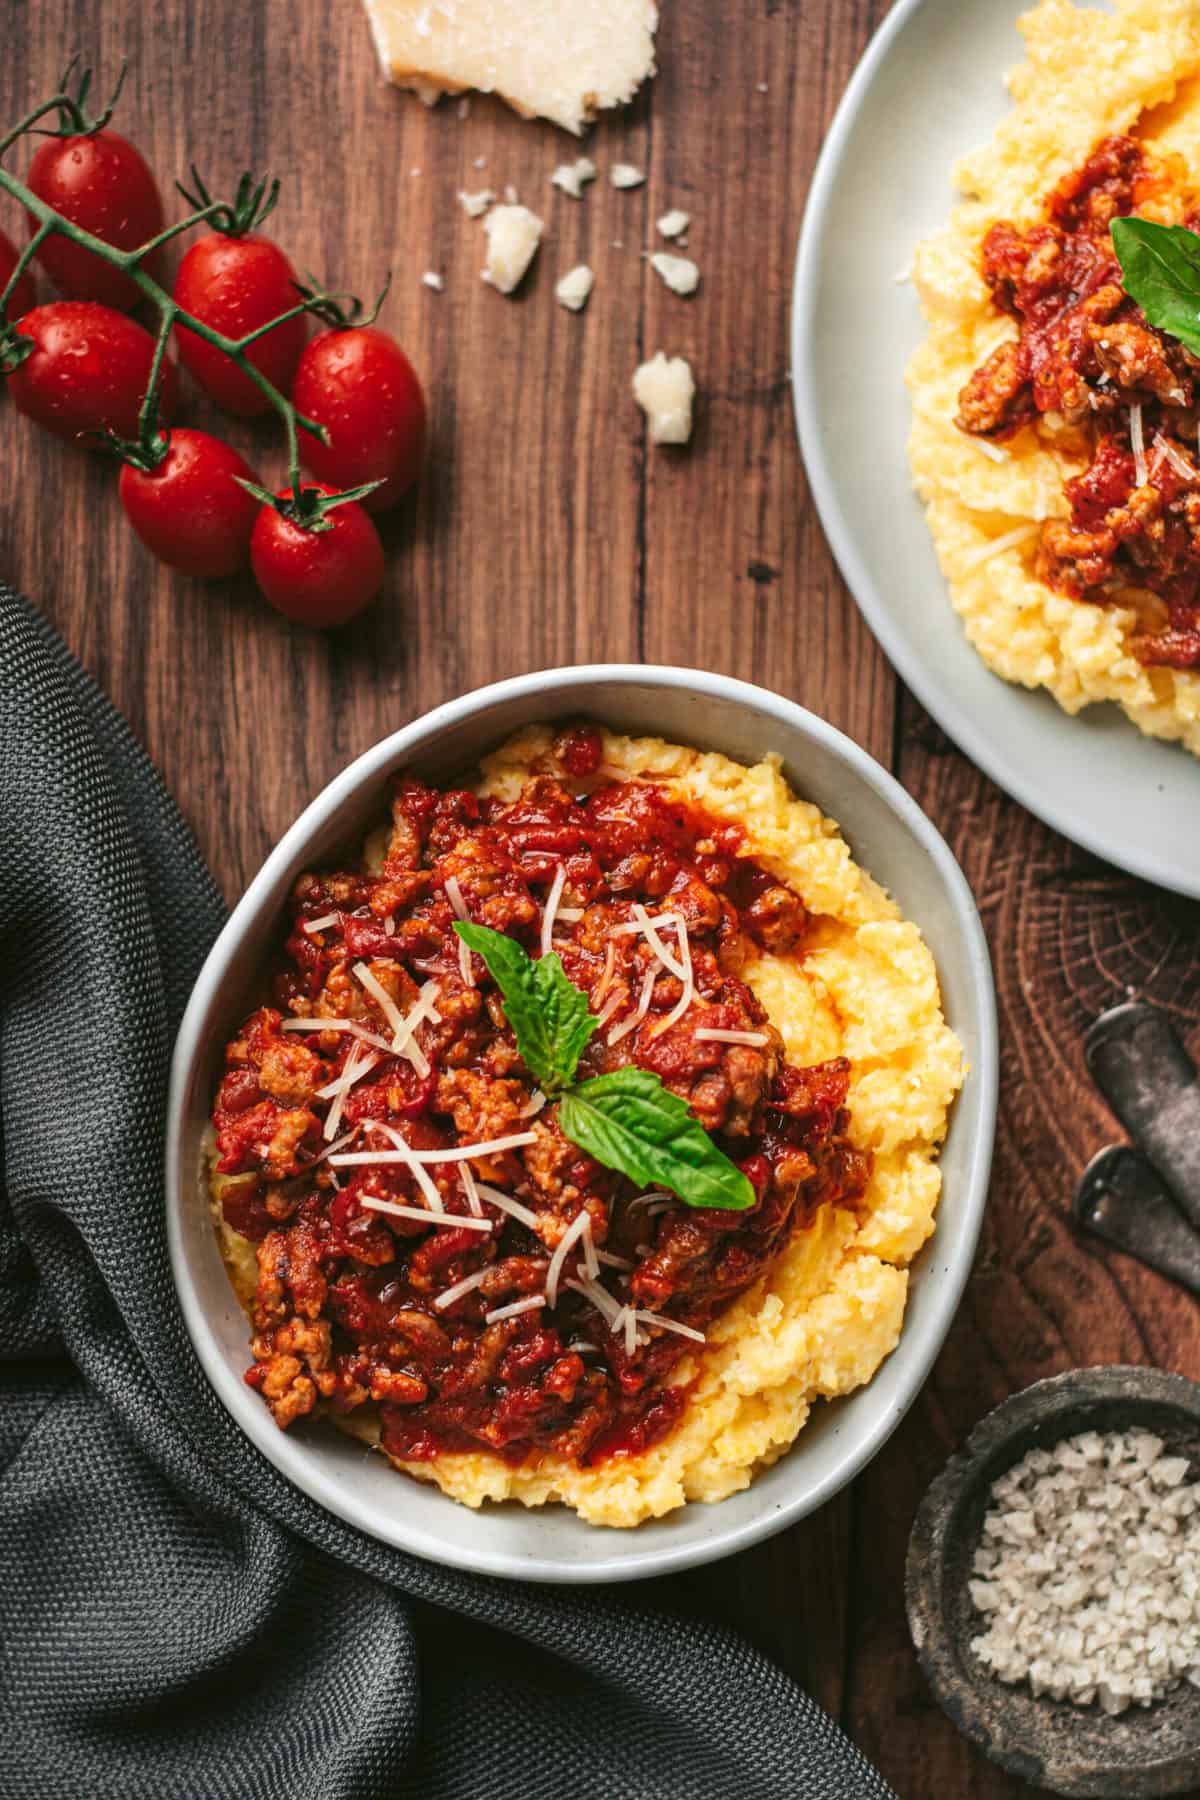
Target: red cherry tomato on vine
x=317 y=577
x=359 y=384
x=189 y=509
x=22 y=299
x=103 y=184
x=235 y=284
x=88 y=370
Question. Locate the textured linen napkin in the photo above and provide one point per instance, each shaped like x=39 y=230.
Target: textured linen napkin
x=176 y=1621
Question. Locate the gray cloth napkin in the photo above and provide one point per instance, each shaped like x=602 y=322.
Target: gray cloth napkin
x=176 y=1621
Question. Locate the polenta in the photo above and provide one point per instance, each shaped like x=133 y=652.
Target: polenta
x=1054 y=435
x=822 y=1000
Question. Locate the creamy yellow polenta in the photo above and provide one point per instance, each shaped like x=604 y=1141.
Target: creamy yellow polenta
x=1090 y=73
x=831 y=1308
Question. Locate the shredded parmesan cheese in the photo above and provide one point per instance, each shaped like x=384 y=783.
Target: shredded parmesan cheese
x=714 y=1034
x=613 y=1262
x=518 y=1306
x=462 y=1287
x=350 y=1025
x=1138 y=444
x=1008 y=540
x=1170 y=454
x=551 y=907
x=591 y=1260
x=459 y=1153
x=610 y=963
x=454 y=895
x=643 y=1007
x=405 y=1155
x=687 y=1331
x=599 y=1296
x=685 y=999
x=508 y=1205
x=650 y=1195
x=383 y=1000
x=533 y=1105
x=611 y=1006
x=323 y=923
x=356 y=1065
x=570 y=1237
x=669 y=961
x=467 y=1177
x=442 y=1219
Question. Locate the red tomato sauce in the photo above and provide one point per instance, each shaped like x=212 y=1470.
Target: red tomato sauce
x=1088 y=363
x=347 y=1312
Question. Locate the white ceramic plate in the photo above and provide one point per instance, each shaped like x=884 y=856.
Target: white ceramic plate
x=929 y=88
x=889 y=835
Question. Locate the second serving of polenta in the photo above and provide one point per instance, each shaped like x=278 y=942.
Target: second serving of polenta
x=1054 y=436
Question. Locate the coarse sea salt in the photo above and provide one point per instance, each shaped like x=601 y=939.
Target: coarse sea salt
x=1087 y=1572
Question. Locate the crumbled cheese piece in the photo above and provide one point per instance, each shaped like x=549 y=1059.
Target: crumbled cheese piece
x=625 y=175
x=513 y=234
x=574 y=288
x=664 y=388
x=571 y=177
x=1087 y=1572
x=475 y=205
x=678 y=272
x=673 y=224
x=433 y=280
x=511 y=196
x=566 y=63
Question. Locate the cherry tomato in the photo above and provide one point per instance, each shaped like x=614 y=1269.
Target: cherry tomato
x=22 y=299
x=88 y=370
x=359 y=384
x=103 y=184
x=236 y=285
x=317 y=577
x=189 y=509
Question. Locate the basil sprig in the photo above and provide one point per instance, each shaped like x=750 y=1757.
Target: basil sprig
x=1161 y=268
x=627 y=1120
x=549 y=1014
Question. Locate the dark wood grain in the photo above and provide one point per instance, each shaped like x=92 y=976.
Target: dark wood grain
x=546 y=532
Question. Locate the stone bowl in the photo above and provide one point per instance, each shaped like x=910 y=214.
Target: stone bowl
x=1052 y=1744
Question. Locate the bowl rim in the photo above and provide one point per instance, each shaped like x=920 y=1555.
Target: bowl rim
x=957 y=1255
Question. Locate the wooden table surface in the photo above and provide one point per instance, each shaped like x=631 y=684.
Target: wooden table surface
x=547 y=532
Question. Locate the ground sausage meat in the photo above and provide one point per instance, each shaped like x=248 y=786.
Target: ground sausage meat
x=1088 y=364
x=351 y=1308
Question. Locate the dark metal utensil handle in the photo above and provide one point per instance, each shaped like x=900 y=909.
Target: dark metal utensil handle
x=1149 y=1080
x=1124 y=1201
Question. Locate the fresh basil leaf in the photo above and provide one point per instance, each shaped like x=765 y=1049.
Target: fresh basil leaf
x=629 y=1121
x=1161 y=267
x=549 y=1015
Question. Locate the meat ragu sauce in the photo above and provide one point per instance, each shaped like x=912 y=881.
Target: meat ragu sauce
x=346 y=1311
x=1088 y=363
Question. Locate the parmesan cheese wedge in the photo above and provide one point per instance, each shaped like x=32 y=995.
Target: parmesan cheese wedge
x=565 y=63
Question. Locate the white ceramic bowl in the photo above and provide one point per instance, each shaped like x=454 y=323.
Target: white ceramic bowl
x=888 y=834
